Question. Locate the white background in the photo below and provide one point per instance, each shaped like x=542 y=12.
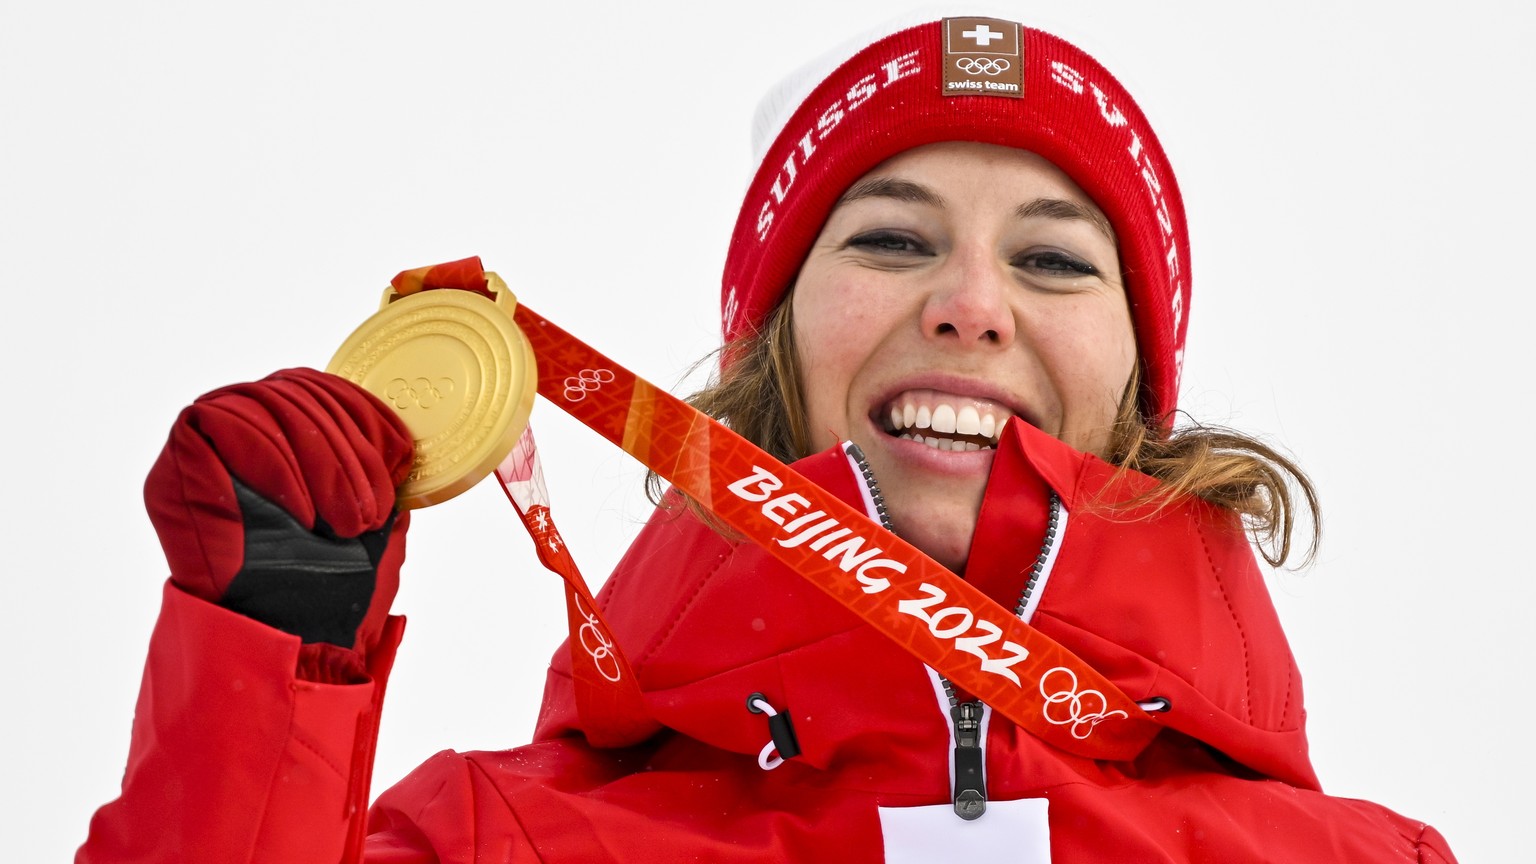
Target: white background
x=194 y=193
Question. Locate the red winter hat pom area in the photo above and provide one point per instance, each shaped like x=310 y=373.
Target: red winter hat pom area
x=895 y=94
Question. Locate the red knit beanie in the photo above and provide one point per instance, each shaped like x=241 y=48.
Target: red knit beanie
x=971 y=79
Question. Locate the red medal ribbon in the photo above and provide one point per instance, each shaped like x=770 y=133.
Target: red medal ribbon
x=608 y=697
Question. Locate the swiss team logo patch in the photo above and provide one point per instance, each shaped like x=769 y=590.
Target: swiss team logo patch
x=983 y=57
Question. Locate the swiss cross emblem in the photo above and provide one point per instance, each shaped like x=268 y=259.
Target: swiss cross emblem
x=982 y=35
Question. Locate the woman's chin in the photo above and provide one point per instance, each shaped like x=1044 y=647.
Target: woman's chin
x=945 y=537
x=934 y=497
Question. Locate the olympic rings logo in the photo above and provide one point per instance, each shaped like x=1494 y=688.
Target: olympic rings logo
x=577 y=386
x=1083 y=722
x=422 y=391
x=982 y=65
x=604 y=655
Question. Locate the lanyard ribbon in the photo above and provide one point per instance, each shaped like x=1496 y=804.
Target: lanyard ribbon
x=939 y=618
x=608 y=695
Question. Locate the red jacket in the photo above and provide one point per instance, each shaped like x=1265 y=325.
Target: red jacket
x=234 y=759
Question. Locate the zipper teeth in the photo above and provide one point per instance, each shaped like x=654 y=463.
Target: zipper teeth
x=949 y=691
x=1045 y=554
x=870 y=484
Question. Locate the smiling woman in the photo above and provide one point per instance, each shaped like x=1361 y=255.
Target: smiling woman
x=956 y=296
x=948 y=284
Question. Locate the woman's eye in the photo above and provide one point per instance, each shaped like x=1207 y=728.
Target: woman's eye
x=1056 y=263
x=888 y=242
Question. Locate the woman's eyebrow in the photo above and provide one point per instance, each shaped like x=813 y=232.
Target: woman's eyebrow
x=917 y=193
x=891 y=187
x=1059 y=208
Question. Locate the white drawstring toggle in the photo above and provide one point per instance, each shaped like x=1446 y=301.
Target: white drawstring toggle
x=782 y=743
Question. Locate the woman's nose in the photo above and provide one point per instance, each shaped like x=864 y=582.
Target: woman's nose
x=969 y=301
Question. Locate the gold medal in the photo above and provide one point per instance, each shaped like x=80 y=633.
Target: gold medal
x=457 y=370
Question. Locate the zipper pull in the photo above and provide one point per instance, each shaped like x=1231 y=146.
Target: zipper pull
x=970 y=789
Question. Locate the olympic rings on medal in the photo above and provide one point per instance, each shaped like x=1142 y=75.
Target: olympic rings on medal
x=577 y=386
x=604 y=649
x=982 y=65
x=421 y=392
x=1070 y=697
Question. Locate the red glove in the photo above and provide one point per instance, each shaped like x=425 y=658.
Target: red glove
x=277 y=499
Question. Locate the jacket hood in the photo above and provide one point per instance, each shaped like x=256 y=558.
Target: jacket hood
x=1166 y=602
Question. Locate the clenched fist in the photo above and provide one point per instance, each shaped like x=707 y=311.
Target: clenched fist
x=276 y=499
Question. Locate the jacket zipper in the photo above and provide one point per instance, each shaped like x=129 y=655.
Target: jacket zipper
x=969 y=756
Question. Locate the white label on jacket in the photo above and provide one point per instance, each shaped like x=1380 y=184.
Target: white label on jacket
x=1009 y=831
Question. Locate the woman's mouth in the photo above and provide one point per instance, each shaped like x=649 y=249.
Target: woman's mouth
x=945 y=421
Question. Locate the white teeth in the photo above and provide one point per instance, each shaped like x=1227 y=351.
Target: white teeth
x=968 y=421
x=944 y=419
x=947 y=444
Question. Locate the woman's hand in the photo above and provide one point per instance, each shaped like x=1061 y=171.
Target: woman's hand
x=276 y=499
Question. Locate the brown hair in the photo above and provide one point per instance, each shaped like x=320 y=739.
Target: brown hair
x=758 y=395
x=1222 y=466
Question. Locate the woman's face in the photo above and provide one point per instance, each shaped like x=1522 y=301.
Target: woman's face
x=954 y=286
